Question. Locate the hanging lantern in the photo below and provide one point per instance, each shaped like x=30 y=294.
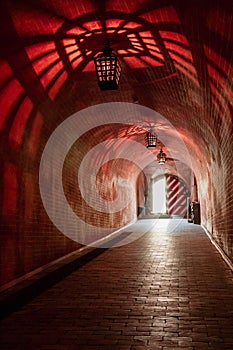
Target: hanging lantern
x=151 y=139
x=108 y=69
x=161 y=157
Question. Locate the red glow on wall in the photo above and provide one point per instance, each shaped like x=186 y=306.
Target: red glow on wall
x=41 y=64
x=19 y=124
x=10 y=189
x=165 y=14
x=134 y=62
x=35 y=135
x=36 y=50
x=57 y=85
x=29 y=196
x=13 y=88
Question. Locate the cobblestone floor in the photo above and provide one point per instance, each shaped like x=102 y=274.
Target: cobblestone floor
x=170 y=289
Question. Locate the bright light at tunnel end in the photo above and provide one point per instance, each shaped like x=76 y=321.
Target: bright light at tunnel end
x=51 y=166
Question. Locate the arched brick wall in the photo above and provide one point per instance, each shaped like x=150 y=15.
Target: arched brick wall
x=176 y=58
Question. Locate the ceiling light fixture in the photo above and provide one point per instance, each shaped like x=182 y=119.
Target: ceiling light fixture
x=108 y=69
x=151 y=139
x=161 y=157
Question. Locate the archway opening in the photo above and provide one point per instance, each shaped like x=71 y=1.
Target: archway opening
x=169 y=196
x=159 y=196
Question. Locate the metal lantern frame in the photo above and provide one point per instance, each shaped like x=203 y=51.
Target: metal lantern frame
x=108 y=69
x=161 y=157
x=151 y=139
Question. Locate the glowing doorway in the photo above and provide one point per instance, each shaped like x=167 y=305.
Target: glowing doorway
x=159 y=196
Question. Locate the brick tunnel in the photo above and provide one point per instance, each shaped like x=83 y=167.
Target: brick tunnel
x=86 y=206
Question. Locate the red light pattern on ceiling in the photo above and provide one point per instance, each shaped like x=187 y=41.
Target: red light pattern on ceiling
x=48 y=66
x=52 y=74
x=92 y=25
x=19 y=124
x=50 y=69
x=183 y=62
x=10 y=189
x=221 y=103
x=174 y=37
x=221 y=86
x=76 y=31
x=132 y=25
x=179 y=50
x=181 y=55
x=142 y=43
x=114 y=23
x=35 y=133
x=40 y=49
x=221 y=90
x=41 y=64
x=72 y=45
x=57 y=86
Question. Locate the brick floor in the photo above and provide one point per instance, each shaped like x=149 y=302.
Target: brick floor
x=170 y=289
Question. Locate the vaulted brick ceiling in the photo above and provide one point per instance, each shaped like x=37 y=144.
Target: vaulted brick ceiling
x=176 y=59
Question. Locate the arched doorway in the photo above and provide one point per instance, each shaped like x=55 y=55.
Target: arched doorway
x=169 y=195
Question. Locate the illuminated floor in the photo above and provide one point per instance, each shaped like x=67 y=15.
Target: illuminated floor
x=169 y=289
